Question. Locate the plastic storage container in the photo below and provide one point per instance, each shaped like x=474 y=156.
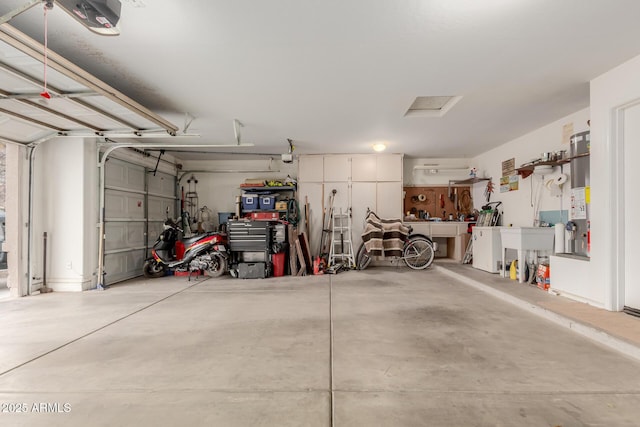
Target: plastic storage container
x=252 y=270
x=250 y=202
x=267 y=201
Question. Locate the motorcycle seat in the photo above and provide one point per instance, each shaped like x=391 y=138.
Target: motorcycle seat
x=191 y=240
x=188 y=241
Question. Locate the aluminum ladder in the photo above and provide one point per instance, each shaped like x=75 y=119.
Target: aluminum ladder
x=341 y=250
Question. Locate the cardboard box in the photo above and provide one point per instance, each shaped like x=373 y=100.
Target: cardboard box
x=543 y=277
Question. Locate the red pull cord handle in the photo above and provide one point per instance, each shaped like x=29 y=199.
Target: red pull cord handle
x=45 y=93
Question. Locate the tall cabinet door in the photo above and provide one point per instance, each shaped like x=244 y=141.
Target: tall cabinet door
x=363 y=196
x=342 y=199
x=389 y=199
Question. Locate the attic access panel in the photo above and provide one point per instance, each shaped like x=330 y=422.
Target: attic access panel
x=431 y=106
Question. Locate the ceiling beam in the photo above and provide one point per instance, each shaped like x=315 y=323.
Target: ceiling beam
x=60 y=114
x=56 y=92
x=31 y=120
x=34 y=49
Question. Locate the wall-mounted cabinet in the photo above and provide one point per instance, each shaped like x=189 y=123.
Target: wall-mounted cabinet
x=310 y=169
x=337 y=168
x=364 y=168
x=389 y=168
x=350 y=167
x=362 y=181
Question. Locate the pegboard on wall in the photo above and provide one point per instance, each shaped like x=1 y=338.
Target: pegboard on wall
x=436 y=200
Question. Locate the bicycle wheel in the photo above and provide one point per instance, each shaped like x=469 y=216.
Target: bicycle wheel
x=418 y=253
x=362 y=258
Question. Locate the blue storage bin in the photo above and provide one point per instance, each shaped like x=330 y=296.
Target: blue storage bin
x=267 y=201
x=250 y=202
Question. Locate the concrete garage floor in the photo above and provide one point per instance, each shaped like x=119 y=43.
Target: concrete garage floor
x=383 y=347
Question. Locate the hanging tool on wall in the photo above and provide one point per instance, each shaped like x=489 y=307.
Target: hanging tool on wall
x=488 y=190
x=306 y=215
x=455 y=200
x=192 y=199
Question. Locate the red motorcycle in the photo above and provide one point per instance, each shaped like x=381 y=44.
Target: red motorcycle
x=205 y=252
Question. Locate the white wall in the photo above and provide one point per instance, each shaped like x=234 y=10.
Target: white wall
x=609 y=92
x=63 y=196
x=517 y=205
x=218 y=190
x=421 y=177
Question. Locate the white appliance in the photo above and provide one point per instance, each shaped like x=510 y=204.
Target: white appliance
x=487 y=249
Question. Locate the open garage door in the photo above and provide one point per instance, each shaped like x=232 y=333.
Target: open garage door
x=136 y=203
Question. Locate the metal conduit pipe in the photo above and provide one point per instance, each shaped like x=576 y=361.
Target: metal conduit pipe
x=230 y=153
x=187 y=172
x=32 y=151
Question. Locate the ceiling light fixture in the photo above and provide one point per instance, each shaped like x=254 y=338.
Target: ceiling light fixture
x=379 y=147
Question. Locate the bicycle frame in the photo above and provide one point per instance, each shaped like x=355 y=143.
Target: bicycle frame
x=363 y=259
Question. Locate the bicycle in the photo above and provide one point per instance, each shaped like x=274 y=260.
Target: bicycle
x=418 y=250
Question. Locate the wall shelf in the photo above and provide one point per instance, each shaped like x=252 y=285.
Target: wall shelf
x=265 y=189
x=528 y=169
x=468 y=181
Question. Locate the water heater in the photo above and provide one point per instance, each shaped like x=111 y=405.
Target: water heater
x=580 y=182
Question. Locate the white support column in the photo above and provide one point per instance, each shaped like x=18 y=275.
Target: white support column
x=64 y=207
x=16 y=207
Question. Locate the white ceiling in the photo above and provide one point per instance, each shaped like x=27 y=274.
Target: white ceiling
x=337 y=76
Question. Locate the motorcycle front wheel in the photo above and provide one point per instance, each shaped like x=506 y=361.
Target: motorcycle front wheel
x=153 y=269
x=217 y=266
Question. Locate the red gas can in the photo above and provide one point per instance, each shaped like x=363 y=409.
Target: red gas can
x=278 y=264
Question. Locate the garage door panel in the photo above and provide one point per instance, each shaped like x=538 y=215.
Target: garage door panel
x=123 y=235
x=124 y=205
x=155 y=228
x=124 y=175
x=123 y=265
x=158 y=208
x=162 y=184
x=135 y=204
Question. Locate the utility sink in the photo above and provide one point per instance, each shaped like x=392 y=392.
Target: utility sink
x=525 y=239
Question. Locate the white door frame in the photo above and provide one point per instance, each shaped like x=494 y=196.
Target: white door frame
x=617 y=259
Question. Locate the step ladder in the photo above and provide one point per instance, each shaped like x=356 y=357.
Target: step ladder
x=468 y=255
x=341 y=250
